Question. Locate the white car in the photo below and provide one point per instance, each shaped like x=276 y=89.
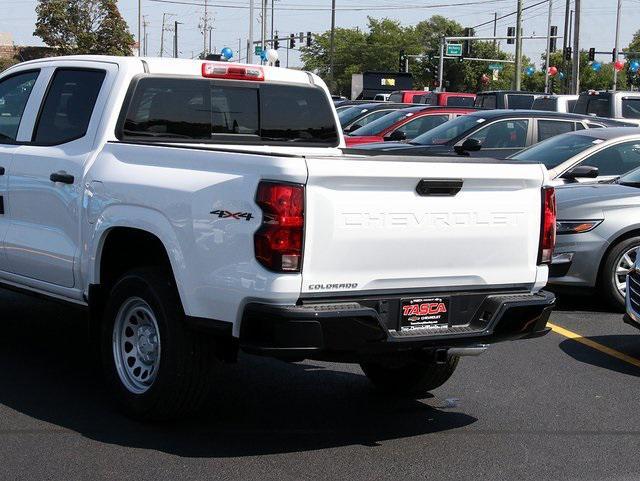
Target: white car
x=198 y=208
x=594 y=155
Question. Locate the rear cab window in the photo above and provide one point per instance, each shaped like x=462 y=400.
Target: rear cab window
x=545 y=103
x=395 y=97
x=519 y=101
x=598 y=105
x=486 y=101
x=460 y=101
x=221 y=111
x=631 y=108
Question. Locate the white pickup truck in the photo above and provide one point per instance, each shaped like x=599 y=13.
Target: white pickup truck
x=198 y=208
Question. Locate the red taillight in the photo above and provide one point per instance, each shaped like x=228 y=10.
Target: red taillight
x=548 y=230
x=278 y=243
x=232 y=71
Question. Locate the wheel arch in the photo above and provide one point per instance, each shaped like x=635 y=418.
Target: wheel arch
x=632 y=231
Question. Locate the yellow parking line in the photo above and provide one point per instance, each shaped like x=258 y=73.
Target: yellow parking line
x=594 y=345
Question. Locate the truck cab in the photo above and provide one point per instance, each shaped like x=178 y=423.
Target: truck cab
x=612 y=104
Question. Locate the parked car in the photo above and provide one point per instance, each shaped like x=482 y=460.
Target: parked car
x=174 y=200
x=615 y=105
x=404 y=124
x=362 y=114
x=555 y=103
x=490 y=133
x=505 y=99
x=595 y=155
x=598 y=232
x=632 y=317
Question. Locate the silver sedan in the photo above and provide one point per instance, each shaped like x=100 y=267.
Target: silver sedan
x=598 y=235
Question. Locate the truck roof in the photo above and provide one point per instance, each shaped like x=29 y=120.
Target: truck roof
x=180 y=66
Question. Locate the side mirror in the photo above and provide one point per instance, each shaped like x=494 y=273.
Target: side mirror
x=581 y=171
x=396 y=136
x=469 y=145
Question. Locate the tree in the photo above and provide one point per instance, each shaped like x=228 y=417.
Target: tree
x=83 y=27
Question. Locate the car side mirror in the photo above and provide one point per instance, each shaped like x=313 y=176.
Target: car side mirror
x=581 y=172
x=396 y=136
x=469 y=145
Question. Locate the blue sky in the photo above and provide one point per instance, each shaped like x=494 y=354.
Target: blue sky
x=231 y=20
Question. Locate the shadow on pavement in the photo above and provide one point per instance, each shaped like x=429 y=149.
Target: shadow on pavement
x=259 y=406
x=590 y=303
x=627 y=344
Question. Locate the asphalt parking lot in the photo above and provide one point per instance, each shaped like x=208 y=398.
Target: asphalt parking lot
x=547 y=409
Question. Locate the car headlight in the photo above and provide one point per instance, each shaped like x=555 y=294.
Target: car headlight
x=576 y=226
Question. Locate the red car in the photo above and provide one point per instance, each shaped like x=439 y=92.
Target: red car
x=404 y=124
x=441 y=99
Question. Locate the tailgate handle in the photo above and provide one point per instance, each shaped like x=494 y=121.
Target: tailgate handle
x=439 y=187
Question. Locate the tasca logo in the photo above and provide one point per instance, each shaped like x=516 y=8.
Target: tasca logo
x=429 y=219
x=424 y=309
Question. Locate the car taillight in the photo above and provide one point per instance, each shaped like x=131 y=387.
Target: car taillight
x=232 y=71
x=548 y=230
x=278 y=242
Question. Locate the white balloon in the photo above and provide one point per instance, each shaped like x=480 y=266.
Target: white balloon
x=272 y=55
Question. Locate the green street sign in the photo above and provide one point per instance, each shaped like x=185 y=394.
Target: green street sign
x=496 y=66
x=454 y=50
x=258 y=50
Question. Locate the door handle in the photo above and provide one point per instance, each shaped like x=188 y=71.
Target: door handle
x=62 y=177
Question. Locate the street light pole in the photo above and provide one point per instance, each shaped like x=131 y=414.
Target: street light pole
x=575 y=71
x=139 y=28
x=250 y=40
x=617 y=47
x=518 y=65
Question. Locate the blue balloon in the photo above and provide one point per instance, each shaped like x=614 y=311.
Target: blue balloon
x=227 y=53
x=596 y=66
x=530 y=71
x=263 y=55
x=634 y=65
x=561 y=75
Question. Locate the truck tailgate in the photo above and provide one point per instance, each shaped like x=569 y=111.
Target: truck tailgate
x=369 y=227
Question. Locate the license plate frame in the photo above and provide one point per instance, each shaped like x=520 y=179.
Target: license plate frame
x=426 y=312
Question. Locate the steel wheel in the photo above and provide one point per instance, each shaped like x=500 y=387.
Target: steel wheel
x=622 y=267
x=136 y=345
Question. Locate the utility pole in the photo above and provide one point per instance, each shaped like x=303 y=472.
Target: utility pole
x=204 y=30
x=575 y=71
x=332 y=42
x=548 y=56
x=164 y=15
x=145 y=24
x=518 y=65
x=441 y=66
x=175 y=39
x=250 y=39
x=210 y=36
x=495 y=29
x=139 y=27
x=263 y=29
x=272 y=11
x=617 y=47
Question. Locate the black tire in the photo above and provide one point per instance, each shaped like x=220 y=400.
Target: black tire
x=182 y=378
x=607 y=281
x=409 y=376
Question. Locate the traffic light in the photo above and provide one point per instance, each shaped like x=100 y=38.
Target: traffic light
x=592 y=54
x=553 y=40
x=309 y=41
x=511 y=32
x=276 y=43
x=568 y=52
x=466 y=44
x=292 y=41
x=401 y=60
x=613 y=56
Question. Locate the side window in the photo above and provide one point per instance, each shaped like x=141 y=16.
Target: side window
x=14 y=94
x=580 y=126
x=421 y=125
x=504 y=134
x=68 y=106
x=367 y=119
x=551 y=128
x=631 y=108
x=615 y=160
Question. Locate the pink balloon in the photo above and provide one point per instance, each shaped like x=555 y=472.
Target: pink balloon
x=619 y=65
x=553 y=71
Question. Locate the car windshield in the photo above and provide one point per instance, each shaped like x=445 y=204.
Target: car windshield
x=377 y=126
x=448 y=131
x=556 y=150
x=347 y=115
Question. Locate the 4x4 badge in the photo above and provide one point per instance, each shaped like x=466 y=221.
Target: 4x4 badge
x=225 y=214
